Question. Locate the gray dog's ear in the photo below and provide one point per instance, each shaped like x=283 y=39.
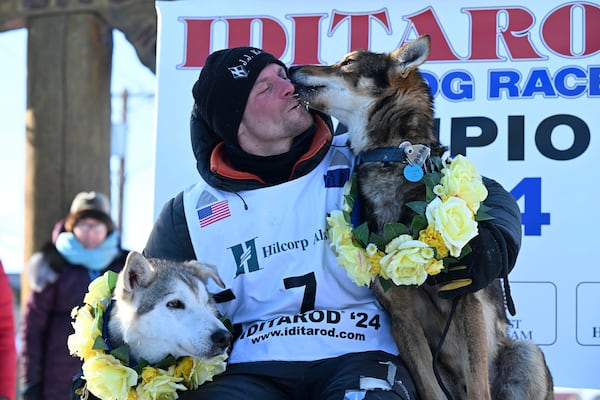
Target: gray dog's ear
x=207 y=271
x=136 y=272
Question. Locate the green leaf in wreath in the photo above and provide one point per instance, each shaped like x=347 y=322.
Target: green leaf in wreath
x=99 y=344
x=482 y=213
x=385 y=283
x=431 y=180
x=393 y=230
x=378 y=241
x=465 y=250
x=98 y=318
x=227 y=322
x=166 y=362
x=347 y=217
x=417 y=206
x=142 y=363
x=361 y=233
x=419 y=223
x=111 y=279
x=122 y=354
x=437 y=163
x=354 y=187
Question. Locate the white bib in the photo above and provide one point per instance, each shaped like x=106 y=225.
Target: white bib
x=285 y=290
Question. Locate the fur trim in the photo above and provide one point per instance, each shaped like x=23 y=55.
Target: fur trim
x=44 y=267
x=39 y=272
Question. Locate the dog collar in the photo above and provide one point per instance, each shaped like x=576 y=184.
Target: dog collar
x=382 y=154
x=105 y=318
x=404 y=153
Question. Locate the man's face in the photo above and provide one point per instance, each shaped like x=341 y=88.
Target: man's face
x=273 y=116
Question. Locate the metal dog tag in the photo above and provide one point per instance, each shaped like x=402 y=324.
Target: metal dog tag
x=418 y=155
x=415 y=153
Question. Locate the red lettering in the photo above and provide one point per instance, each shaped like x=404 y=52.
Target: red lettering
x=196 y=42
x=199 y=37
x=592 y=29
x=360 y=32
x=306 y=39
x=273 y=35
x=495 y=34
x=515 y=34
x=426 y=22
x=557 y=30
x=239 y=31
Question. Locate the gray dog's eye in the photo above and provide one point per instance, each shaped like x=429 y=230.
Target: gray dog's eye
x=176 y=304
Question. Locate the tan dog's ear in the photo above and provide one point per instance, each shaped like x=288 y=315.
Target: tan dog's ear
x=136 y=272
x=408 y=57
x=207 y=271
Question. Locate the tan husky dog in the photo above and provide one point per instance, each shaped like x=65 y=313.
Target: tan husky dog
x=383 y=101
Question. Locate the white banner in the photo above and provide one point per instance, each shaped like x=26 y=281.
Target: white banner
x=516 y=89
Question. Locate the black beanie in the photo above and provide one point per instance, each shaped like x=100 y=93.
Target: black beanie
x=222 y=89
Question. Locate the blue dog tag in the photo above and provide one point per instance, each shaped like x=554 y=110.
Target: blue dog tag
x=413 y=173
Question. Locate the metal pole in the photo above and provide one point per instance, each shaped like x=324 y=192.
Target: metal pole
x=125 y=96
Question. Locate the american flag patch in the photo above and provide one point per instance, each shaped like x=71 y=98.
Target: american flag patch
x=213 y=213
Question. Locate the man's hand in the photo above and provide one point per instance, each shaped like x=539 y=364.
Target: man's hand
x=476 y=270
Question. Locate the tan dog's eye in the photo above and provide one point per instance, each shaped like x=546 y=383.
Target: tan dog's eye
x=176 y=304
x=347 y=62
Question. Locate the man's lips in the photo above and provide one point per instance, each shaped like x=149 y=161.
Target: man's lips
x=295 y=106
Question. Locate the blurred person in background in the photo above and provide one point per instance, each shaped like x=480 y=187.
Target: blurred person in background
x=8 y=352
x=59 y=275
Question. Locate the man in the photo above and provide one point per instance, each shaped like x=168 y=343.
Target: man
x=270 y=172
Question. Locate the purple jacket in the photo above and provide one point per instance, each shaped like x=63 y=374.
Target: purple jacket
x=46 y=367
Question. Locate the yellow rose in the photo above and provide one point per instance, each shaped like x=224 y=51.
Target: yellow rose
x=339 y=230
x=107 y=378
x=149 y=373
x=455 y=222
x=461 y=179
x=355 y=260
x=132 y=395
x=86 y=331
x=406 y=260
x=204 y=370
x=184 y=368
x=100 y=288
x=162 y=387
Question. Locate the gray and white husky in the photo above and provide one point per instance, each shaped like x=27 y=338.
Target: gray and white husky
x=162 y=307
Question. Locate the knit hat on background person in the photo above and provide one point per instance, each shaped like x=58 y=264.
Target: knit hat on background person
x=222 y=89
x=89 y=205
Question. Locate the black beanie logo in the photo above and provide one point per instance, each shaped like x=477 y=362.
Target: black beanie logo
x=240 y=71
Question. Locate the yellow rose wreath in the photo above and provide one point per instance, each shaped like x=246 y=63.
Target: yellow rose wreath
x=443 y=225
x=107 y=373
